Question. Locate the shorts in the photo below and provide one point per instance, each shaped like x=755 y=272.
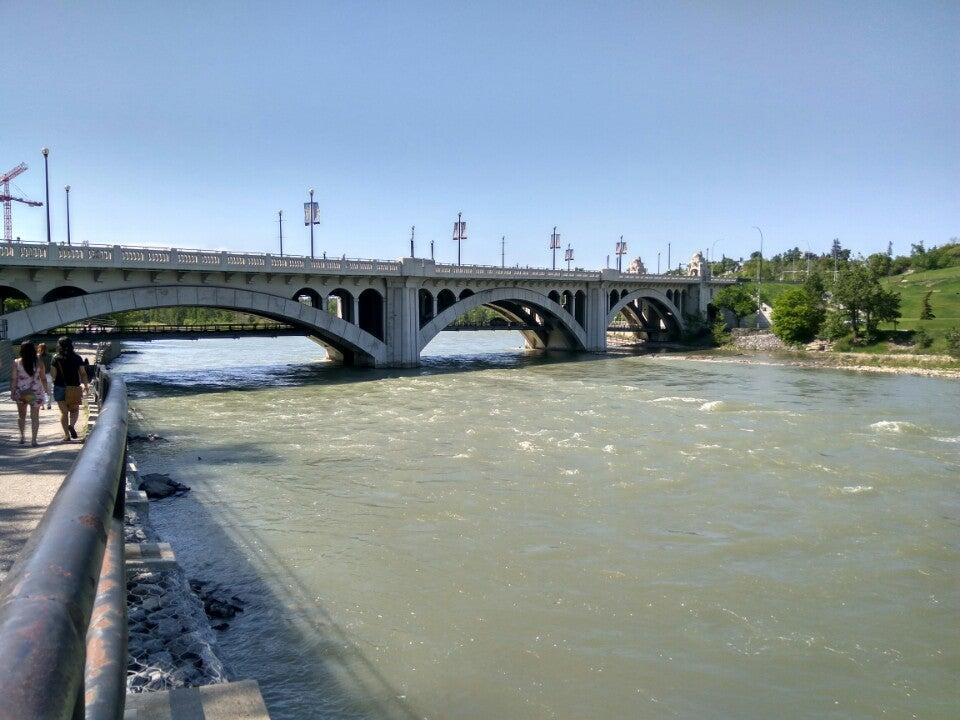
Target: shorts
x=70 y=395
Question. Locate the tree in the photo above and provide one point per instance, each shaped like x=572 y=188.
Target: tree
x=864 y=301
x=879 y=264
x=797 y=315
x=926 y=311
x=737 y=299
x=953 y=341
x=814 y=285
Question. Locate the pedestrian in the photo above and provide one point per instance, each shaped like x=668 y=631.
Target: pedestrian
x=44 y=356
x=28 y=388
x=68 y=374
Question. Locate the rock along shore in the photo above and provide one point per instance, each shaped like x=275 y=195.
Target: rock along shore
x=171 y=642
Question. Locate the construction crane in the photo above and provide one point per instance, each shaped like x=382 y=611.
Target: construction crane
x=9 y=199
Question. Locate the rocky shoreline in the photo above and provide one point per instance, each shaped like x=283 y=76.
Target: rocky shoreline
x=171 y=640
x=821 y=361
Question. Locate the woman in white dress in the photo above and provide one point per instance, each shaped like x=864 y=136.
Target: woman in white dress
x=28 y=388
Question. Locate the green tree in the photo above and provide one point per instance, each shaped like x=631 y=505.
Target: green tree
x=737 y=299
x=814 y=285
x=797 y=316
x=926 y=311
x=719 y=332
x=921 y=338
x=879 y=264
x=864 y=301
x=953 y=341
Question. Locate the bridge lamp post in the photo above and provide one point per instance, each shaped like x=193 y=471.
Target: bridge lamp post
x=459 y=233
x=759 y=276
x=621 y=251
x=280 y=221
x=568 y=256
x=554 y=245
x=46 y=182
x=310 y=218
x=67 y=190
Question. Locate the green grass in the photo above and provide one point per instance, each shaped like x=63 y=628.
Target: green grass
x=945 y=302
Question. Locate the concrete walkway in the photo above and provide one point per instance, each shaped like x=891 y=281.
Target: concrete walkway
x=29 y=476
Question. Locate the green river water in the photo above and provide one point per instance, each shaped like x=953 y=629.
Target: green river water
x=495 y=535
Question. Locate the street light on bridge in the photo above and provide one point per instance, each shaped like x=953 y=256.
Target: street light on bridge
x=311 y=217
x=67 y=190
x=459 y=233
x=621 y=251
x=554 y=245
x=280 y=221
x=568 y=255
x=46 y=182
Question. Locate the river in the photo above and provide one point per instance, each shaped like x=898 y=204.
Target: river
x=498 y=535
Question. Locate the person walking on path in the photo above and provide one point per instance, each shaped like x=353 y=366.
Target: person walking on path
x=28 y=388
x=43 y=356
x=68 y=374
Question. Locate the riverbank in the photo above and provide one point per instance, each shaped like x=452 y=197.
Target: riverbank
x=934 y=367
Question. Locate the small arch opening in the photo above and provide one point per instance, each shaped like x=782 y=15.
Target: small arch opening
x=343 y=301
x=445 y=299
x=370 y=305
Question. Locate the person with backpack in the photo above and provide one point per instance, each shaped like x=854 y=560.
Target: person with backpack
x=68 y=374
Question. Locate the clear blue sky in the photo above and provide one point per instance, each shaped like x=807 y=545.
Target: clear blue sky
x=190 y=124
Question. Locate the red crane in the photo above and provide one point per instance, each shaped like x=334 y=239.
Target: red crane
x=9 y=199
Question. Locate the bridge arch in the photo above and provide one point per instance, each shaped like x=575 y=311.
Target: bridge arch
x=62 y=292
x=504 y=300
x=343 y=337
x=315 y=298
x=445 y=299
x=665 y=307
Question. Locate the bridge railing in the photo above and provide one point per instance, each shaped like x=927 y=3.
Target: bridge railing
x=63 y=618
x=525 y=272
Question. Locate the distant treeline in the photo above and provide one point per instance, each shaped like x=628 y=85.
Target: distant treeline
x=795 y=264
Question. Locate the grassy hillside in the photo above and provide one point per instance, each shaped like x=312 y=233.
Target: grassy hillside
x=945 y=300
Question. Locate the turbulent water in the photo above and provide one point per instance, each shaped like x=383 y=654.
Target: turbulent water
x=498 y=536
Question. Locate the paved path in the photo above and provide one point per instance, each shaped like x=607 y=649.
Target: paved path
x=29 y=476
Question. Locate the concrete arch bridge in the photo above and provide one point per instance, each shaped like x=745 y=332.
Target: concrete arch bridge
x=365 y=312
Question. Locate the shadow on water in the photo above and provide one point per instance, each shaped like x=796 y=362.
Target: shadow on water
x=307 y=665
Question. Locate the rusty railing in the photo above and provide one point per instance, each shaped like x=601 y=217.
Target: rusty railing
x=63 y=617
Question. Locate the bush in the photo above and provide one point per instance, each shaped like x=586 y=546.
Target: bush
x=834 y=326
x=797 y=316
x=922 y=339
x=844 y=343
x=953 y=341
x=720 y=334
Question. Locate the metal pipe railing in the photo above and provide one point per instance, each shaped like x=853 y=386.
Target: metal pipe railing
x=63 y=605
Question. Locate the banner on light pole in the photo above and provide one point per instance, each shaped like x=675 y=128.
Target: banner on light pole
x=311 y=213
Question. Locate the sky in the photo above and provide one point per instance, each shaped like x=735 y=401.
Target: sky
x=185 y=124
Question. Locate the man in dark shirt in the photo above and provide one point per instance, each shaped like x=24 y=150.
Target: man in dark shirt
x=68 y=374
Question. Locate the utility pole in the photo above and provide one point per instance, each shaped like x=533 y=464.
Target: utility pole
x=503 y=250
x=413 y=229
x=668 y=257
x=67 y=190
x=759 y=273
x=620 y=252
x=46 y=182
x=280 y=221
x=554 y=244
x=658 y=262
x=431 y=249
x=568 y=256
